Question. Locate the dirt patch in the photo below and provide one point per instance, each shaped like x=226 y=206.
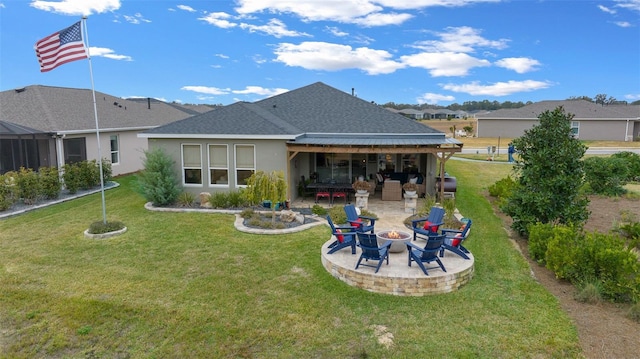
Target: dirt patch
x=603 y=329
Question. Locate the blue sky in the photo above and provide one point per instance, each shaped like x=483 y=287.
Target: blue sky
x=403 y=51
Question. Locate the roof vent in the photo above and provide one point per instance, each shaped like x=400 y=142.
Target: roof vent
x=22 y=89
x=115 y=104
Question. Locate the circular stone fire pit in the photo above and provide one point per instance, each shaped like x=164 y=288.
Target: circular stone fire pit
x=397 y=238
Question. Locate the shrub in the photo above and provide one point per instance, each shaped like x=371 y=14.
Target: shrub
x=157 y=182
x=28 y=185
x=71 y=178
x=502 y=188
x=632 y=161
x=606 y=175
x=186 y=199
x=237 y=199
x=539 y=235
x=590 y=293
x=561 y=252
x=247 y=213
x=319 y=210
x=89 y=173
x=9 y=192
x=50 y=182
x=107 y=174
x=219 y=200
x=100 y=227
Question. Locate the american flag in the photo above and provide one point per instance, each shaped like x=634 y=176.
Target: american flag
x=61 y=47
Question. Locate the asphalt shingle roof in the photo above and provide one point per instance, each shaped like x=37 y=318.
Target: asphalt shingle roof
x=580 y=108
x=313 y=109
x=59 y=109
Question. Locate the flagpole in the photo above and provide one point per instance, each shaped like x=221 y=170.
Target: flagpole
x=95 y=112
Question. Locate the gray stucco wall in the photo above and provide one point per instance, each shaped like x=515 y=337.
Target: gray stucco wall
x=604 y=130
x=271 y=155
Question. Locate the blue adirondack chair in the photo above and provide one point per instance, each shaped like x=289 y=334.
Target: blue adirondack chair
x=427 y=254
x=345 y=237
x=428 y=225
x=454 y=238
x=364 y=223
x=372 y=251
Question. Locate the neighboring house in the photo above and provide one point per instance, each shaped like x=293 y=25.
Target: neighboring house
x=412 y=113
x=590 y=122
x=50 y=126
x=314 y=131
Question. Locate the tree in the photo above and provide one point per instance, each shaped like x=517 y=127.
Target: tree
x=550 y=173
x=263 y=186
x=157 y=181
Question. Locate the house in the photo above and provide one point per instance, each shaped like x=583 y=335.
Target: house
x=591 y=121
x=50 y=126
x=315 y=131
x=412 y=113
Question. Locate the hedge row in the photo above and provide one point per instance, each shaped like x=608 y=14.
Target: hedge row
x=31 y=187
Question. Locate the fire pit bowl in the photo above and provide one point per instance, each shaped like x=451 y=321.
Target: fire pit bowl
x=397 y=238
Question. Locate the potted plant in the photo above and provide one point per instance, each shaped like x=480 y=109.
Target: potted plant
x=410 y=188
x=361 y=186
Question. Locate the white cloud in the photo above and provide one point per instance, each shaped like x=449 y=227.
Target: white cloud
x=257 y=90
x=335 y=31
x=186 y=8
x=274 y=27
x=606 y=9
x=219 y=19
x=312 y=10
x=633 y=5
x=419 y=4
x=379 y=19
x=222 y=56
x=433 y=98
x=333 y=57
x=498 y=88
x=623 y=24
x=520 y=65
x=460 y=39
x=108 y=53
x=207 y=90
x=632 y=97
x=77 y=7
x=445 y=63
x=135 y=19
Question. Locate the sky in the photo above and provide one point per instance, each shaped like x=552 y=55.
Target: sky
x=435 y=52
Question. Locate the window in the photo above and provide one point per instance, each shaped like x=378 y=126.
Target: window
x=75 y=150
x=245 y=163
x=575 y=129
x=218 y=165
x=191 y=164
x=115 y=149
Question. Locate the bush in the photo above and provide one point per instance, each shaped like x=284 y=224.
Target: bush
x=595 y=257
x=590 y=292
x=9 y=191
x=634 y=312
x=186 y=199
x=157 y=182
x=539 y=236
x=50 y=182
x=219 y=200
x=100 y=227
x=606 y=175
x=632 y=161
x=71 y=178
x=89 y=174
x=502 y=190
x=28 y=185
x=319 y=210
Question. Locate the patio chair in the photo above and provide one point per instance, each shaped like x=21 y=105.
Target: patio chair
x=322 y=194
x=364 y=223
x=372 y=251
x=427 y=254
x=454 y=238
x=431 y=223
x=345 y=237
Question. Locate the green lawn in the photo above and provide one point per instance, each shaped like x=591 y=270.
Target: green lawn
x=180 y=285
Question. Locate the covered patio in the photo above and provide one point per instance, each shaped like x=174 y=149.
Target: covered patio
x=343 y=158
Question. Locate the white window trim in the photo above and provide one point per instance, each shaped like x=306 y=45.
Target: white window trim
x=213 y=168
x=184 y=183
x=111 y=151
x=576 y=125
x=235 y=160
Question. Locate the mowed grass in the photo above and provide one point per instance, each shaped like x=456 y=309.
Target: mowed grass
x=188 y=285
